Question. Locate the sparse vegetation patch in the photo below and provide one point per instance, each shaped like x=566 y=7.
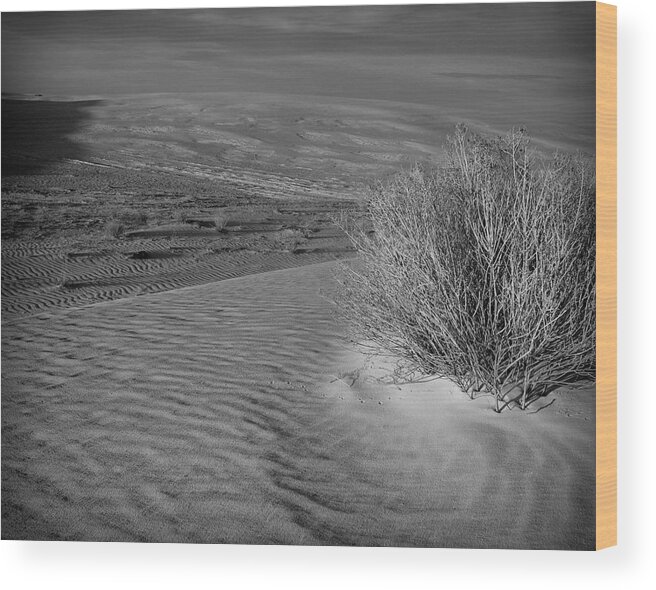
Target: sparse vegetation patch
x=114 y=229
x=220 y=220
x=482 y=271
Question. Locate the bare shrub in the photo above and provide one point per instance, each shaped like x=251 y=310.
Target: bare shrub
x=220 y=220
x=482 y=271
x=288 y=239
x=113 y=229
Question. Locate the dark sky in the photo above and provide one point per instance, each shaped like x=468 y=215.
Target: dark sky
x=334 y=50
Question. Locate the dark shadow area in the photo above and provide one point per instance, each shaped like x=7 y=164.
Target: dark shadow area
x=36 y=133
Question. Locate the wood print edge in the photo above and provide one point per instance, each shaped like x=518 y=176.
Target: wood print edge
x=606 y=164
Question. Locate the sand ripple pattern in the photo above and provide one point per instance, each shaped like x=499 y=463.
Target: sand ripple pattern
x=38 y=278
x=233 y=412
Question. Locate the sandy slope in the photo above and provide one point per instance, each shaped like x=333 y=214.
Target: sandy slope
x=32 y=281
x=232 y=412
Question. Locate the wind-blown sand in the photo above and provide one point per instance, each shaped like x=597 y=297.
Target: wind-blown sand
x=234 y=412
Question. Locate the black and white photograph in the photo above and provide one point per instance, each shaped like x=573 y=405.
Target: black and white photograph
x=320 y=275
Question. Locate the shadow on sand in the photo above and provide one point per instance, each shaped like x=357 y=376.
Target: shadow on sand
x=36 y=133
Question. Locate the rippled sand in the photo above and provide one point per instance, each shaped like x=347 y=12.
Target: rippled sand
x=234 y=412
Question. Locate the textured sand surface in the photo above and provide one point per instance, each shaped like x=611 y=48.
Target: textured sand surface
x=234 y=412
x=32 y=277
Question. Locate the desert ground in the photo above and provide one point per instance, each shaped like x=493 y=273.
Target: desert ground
x=185 y=376
x=235 y=412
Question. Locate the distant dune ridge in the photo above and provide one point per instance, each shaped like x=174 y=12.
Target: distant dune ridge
x=498 y=65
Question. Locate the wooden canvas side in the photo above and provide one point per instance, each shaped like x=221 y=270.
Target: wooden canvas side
x=606 y=500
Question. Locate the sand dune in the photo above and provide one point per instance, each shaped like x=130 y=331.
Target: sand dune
x=234 y=412
x=47 y=279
